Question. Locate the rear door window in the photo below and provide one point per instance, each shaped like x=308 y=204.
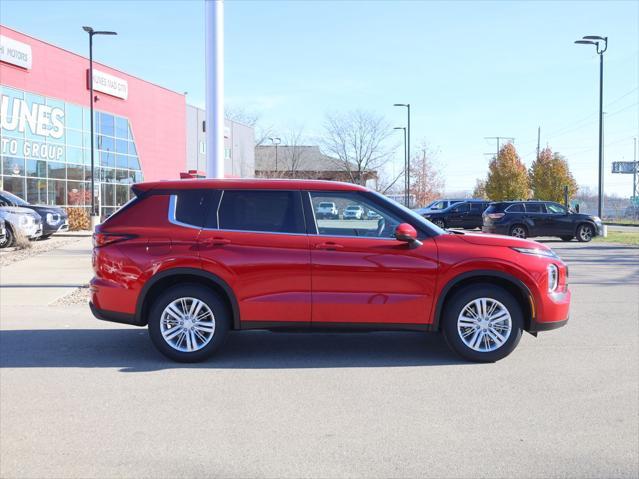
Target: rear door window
x=516 y=208
x=535 y=208
x=477 y=208
x=189 y=207
x=261 y=211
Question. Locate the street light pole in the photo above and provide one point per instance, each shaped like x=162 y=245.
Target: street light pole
x=601 y=44
x=405 y=157
x=407 y=177
x=92 y=32
x=275 y=141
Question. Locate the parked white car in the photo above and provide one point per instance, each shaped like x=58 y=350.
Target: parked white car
x=21 y=221
x=353 y=212
x=327 y=210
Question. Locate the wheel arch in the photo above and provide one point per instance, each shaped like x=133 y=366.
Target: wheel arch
x=510 y=283
x=167 y=278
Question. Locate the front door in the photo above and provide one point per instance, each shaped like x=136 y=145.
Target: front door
x=259 y=237
x=361 y=274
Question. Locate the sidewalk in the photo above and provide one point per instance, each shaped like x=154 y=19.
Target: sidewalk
x=41 y=279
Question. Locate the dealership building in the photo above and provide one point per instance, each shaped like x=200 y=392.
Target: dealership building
x=143 y=132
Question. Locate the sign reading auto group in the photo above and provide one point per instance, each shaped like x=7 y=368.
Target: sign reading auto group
x=15 y=52
x=109 y=84
x=37 y=119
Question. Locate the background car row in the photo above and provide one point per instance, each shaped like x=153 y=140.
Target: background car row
x=329 y=210
x=29 y=221
x=522 y=219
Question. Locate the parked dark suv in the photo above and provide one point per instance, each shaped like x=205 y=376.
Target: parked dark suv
x=524 y=219
x=466 y=214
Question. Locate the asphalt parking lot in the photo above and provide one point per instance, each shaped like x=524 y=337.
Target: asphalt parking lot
x=82 y=398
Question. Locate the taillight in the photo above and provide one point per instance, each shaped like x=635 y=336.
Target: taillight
x=103 y=239
x=496 y=216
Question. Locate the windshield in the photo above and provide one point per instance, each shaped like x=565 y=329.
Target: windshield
x=16 y=200
x=417 y=218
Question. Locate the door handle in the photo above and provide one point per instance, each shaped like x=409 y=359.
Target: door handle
x=215 y=241
x=330 y=246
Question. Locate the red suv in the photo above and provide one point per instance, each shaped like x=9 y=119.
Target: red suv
x=193 y=259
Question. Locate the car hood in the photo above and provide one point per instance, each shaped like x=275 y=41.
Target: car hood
x=16 y=210
x=44 y=209
x=483 y=239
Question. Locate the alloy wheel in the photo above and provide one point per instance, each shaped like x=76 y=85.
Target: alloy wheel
x=518 y=232
x=585 y=233
x=187 y=324
x=484 y=324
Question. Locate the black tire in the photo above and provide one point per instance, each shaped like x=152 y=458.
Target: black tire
x=439 y=222
x=566 y=238
x=518 y=231
x=218 y=307
x=460 y=300
x=585 y=232
x=9 y=238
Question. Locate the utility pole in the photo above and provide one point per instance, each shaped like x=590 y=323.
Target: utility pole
x=214 y=78
x=634 y=171
x=538 y=140
x=498 y=140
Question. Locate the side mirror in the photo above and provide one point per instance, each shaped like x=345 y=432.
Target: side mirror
x=408 y=234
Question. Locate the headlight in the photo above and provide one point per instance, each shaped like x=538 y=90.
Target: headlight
x=546 y=253
x=553 y=277
x=53 y=218
x=26 y=220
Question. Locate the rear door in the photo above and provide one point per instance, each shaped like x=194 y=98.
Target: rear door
x=256 y=240
x=474 y=218
x=456 y=216
x=536 y=218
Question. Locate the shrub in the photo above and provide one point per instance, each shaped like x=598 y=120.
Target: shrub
x=78 y=219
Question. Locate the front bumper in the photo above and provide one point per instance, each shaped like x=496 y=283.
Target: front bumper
x=59 y=227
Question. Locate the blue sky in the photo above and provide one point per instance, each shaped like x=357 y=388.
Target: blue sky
x=469 y=69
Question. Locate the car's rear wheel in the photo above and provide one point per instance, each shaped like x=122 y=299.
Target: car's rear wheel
x=566 y=238
x=8 y=239
x=585 y=233
x=519 y=231
x=483 y=323
x=188 y=323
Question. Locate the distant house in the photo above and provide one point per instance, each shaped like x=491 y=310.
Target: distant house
x=304 y=162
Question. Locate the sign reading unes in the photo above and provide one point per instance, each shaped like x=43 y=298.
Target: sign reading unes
x=15 y=52
x=37 y=119
x=625 y=167
x=109 y=84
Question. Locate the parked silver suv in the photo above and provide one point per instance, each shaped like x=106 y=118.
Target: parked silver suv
x=19 y=221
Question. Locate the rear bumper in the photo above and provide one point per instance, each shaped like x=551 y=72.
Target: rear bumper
x=114 y=316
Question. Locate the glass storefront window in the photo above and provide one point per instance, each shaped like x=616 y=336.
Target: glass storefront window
x=36 y=191
x=12 y=166
x=49 y=162
x=57 y=170
x=57 y=192
x=14 y=184
x=75 y=172
x=37 y=168
x=108 y=194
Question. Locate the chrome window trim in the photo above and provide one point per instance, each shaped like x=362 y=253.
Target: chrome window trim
x=172 y=218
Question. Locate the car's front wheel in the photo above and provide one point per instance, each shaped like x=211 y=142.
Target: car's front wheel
x=188 y=323
x=585 y=233
x=482 y=323
x=8 y=239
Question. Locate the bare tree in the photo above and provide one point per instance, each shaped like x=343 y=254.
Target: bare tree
x=426 y=181
x=252 y=119
x=358 y=140
x=294 y=150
